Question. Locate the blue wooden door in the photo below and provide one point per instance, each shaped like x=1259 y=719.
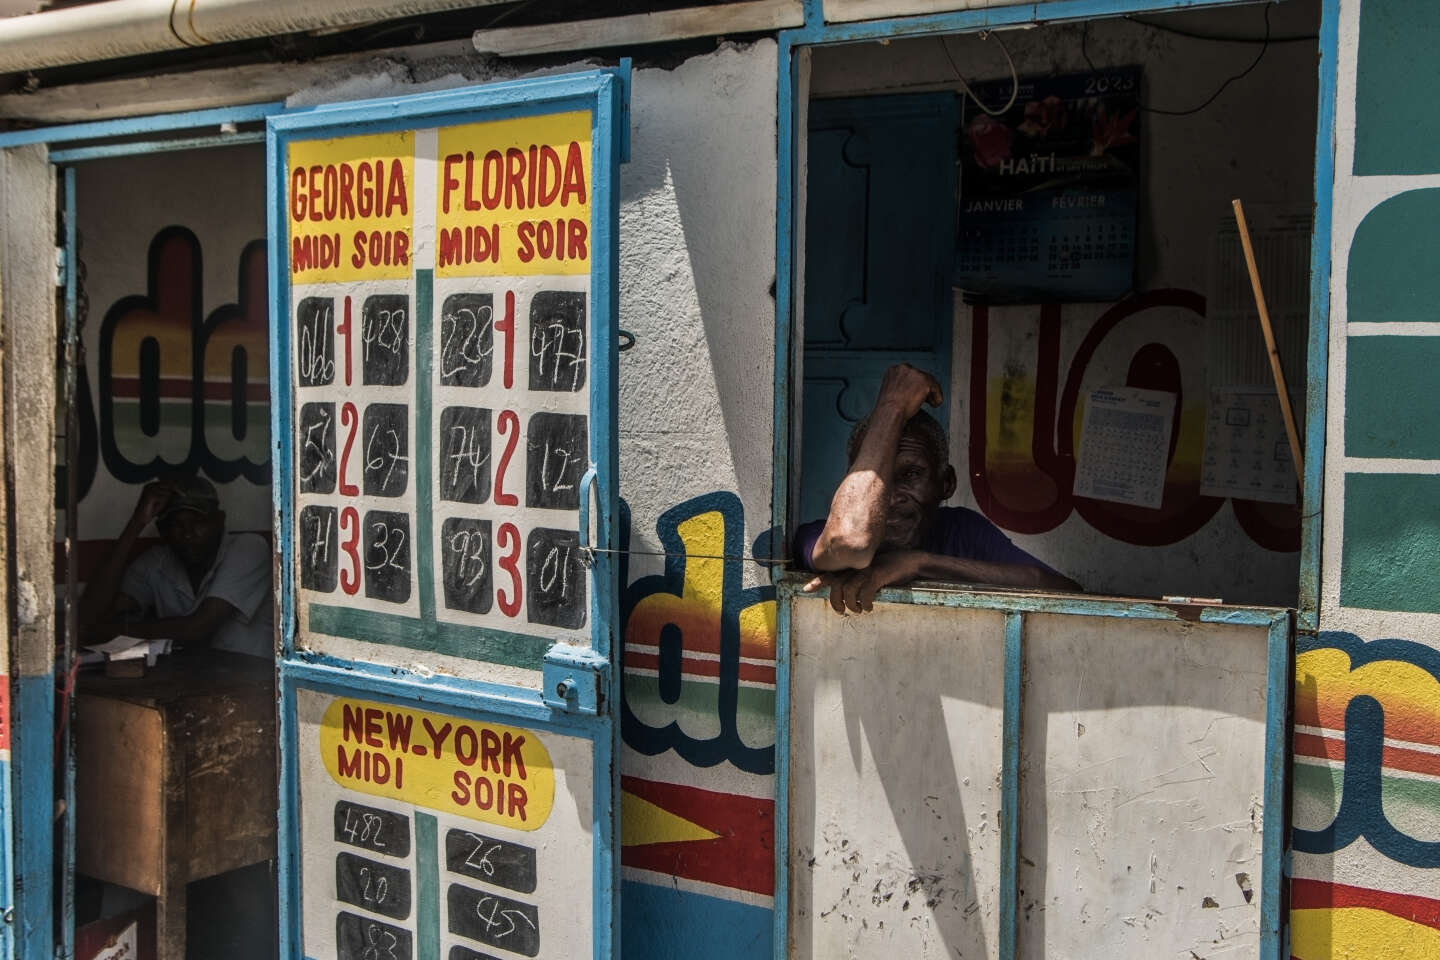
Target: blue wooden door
x=443 y=324
x=879 y=240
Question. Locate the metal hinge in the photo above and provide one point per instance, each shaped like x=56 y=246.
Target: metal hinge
x=573 y=679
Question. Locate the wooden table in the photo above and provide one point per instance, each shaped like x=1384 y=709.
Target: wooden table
x=175 y=778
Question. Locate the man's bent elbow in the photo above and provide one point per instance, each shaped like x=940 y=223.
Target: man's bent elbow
x=842 y=553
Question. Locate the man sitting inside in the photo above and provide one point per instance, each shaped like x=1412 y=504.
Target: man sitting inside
x=200 y=587
x=886 y=525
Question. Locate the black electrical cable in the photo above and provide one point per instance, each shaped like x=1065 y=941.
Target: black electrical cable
x=1219 y=37
x=1085 y=36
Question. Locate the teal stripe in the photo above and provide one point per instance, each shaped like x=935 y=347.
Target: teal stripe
x=424 y=469
x=472 y=643
x=427 y=883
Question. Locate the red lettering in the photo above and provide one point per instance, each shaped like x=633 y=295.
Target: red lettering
x=514 y=179
x=450 y=247
x=437 y=737
x=465 y=745
x=351 y=722
x=461 y=793
x=577 y=240
x=316 y=172
x=380 y=768
x=302 y=254
x=513 y=755
x=489 y=751
x=331 y=187
x=348 y=766
x=398 y=725
x=518 y=799
x=484 y=793
x=372 y=727
x=525 y=233
x=402 y=247
x=347 y=192
x=549 y=186
x=530 y=169
x=357 y=259
x=492 y=181
x=396 y=196
x=365 y=200
x=450 y=182
x=297 y=194
x=574 y=176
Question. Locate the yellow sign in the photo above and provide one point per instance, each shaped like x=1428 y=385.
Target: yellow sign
x=483 y=771
x=512 y=197
x=349 y=206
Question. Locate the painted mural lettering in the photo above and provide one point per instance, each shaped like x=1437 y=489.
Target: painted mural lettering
x=1022 y=476
x=180 y=390
x=699 y=644
x=1367 y=745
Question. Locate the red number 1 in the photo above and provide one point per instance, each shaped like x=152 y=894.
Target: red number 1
x=507 y=327
x=344 y=330
x=507 y=534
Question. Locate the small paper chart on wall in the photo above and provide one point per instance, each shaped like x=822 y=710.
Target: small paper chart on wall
x=1125 y=446
x=1247 y=454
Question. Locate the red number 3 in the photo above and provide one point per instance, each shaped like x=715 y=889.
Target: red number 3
x=508 y=538
x=350 y=521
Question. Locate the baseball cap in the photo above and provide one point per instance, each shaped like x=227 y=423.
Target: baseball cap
x=191 y=493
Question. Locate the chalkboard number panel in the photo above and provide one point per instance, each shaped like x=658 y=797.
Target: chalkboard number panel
x=387 y=555
x=557 y=341
x=555 y=591
x=557 y=450
x=360 y=938
x=494 y=920
x=467 y=339
x=315 y=341
x=458 y=952
x=370 y=829
x=382 y=888
x=465 y=559
x=316 y=440
x=496 y=862
x=464 y=470
x=385 y=340
x=386 y=433
x=319 y=553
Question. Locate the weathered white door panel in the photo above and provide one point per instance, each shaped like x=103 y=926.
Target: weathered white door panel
x=1142 y=787
x=895 y=782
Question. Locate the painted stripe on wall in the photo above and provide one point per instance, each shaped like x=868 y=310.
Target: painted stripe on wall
x=665 y=922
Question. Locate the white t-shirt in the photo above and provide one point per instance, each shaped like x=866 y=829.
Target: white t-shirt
x=240 y=575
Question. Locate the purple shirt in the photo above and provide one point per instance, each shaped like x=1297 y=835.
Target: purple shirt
x=958 y=532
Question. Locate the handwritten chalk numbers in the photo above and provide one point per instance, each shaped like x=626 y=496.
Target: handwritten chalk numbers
x=555 y=594
x=464 y=474
x=385 y=339
x=557 y=450
x=387 y=555
x=319 y=548
x=317 y=448
x=360 y=938
x=465 y=558
x=467 y=339
x=557 y=341
x=315 y=341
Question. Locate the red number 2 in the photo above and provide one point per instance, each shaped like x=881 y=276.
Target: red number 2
x=350 y=523
x=508 y=538
x=350 y=419
x=509 y=424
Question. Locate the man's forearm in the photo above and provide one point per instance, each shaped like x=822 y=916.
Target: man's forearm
x=935 y=566
x=855 y=525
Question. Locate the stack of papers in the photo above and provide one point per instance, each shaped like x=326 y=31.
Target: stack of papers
x=125 y=648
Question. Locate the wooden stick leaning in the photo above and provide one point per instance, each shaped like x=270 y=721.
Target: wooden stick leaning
x=1275 y=370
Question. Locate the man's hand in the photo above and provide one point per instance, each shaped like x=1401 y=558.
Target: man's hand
x=153 y=500
x=909 y=389
x=853 y=591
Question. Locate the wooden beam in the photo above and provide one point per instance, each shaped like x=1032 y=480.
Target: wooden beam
x=755 y=16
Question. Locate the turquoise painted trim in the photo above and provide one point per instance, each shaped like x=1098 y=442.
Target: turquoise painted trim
x=780 y=933
x=104 y=151
x=424 y=462
x=1279 y=684
x=427 y=887
x=32 y=742
x=7 y=859
x=138 y=126
x=291 y=910
x=1317 y=356
x=1010 y=788
x=414 y=633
